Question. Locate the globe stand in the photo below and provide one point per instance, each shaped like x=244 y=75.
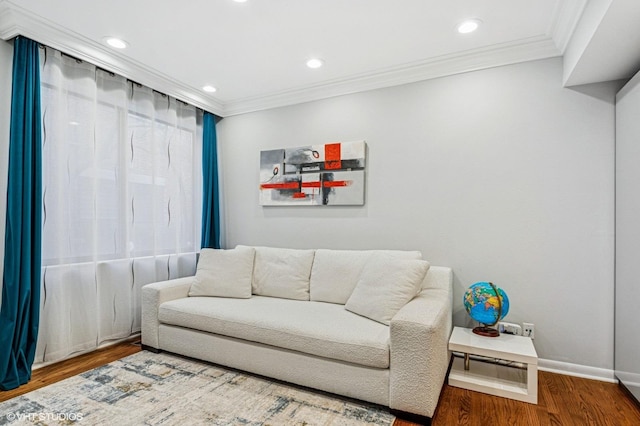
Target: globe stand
x=486 y=331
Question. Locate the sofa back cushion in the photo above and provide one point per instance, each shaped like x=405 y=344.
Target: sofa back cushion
x=385 y=285
x=335 y=273
x=284 y=273
x=224 y=273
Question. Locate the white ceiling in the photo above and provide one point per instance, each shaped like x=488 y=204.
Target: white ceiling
x=255 y=52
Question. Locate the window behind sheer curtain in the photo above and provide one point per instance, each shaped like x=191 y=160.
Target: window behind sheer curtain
x=122 y=201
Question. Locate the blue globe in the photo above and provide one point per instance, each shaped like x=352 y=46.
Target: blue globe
x=486 y=303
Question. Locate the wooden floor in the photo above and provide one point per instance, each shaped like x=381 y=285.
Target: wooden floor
x=562 y=400
x=55 y=372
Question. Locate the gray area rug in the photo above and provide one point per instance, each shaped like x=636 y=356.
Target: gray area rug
x=163 y=389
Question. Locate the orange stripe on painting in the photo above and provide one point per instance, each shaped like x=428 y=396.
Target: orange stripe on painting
x=299 y=195
x=315 y=184
x=327 y=184
x=284 y=185
x=332 y=155
x=337 y=183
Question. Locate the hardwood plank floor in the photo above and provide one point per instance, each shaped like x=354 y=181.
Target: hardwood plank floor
x=562 y=400
x=55 y=372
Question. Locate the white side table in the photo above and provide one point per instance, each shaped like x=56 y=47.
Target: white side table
x=494 y=379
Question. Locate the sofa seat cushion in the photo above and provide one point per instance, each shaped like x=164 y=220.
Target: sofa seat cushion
x=316 y=328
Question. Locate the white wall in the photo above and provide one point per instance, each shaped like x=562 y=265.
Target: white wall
x=6 y=64
x=501 y=174
x=627 y=323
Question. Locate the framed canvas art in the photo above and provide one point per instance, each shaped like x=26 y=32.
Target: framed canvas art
x=314 y=175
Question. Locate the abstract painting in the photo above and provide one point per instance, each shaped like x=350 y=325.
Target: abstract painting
x=314 y=175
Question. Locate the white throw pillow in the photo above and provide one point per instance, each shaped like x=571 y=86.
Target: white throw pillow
x=385 y=286
x=224 y=273
x=335 y=273
x=282 y=272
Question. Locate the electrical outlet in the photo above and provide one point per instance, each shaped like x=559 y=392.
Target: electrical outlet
x=528 y=329
x=509 y=328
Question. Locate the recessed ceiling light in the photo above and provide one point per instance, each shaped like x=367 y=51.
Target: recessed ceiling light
x=116 y=42
x=468 y=26
x=315 y=63
x=209 y=89
x=240 y=1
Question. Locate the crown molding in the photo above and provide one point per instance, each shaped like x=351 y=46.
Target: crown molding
x=567 y=16
x=541 y=47
x=15 y=21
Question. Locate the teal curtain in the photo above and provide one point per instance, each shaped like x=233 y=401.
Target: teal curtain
x=21 y=279
x=210 y=196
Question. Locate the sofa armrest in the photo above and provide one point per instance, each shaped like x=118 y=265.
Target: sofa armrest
x=419 y=352
x=153 y=295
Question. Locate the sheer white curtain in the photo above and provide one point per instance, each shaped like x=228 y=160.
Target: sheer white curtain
x=122 y=200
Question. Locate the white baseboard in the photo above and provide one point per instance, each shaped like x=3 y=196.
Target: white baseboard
x=586 y=372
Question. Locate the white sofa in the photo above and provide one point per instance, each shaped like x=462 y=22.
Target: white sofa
x=295 y=321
